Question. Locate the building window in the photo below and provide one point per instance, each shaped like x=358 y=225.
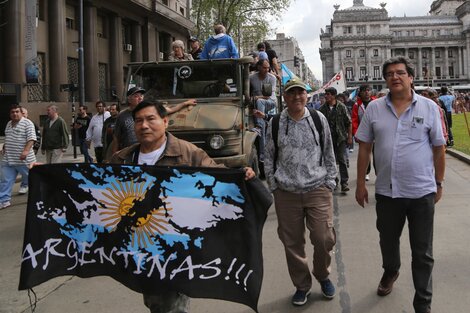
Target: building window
x=411 y=54
x=425 y=32
x=347 y=30
x=410 y=33
x=438 y=71
x=39 y=91
x=101 y=29
x=70 y=20
x=361 y=29
x=126 y=33
x=182 y=11
x=102 y=82
x=165 y=2
x=424 y=54
x=348 y=53
x=451 y=53
x=349 y=73
x=376 y=52
x=72 y=73
x=41 y=10
x=438 y=54
x=362 y=53
x=376 y=71
x=362 y=72
x=398 y=33
x=451 y=71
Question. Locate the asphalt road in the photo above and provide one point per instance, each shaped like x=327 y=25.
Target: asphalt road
x=356 y=267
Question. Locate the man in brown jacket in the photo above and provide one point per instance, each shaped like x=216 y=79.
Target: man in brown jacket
x=156 y=146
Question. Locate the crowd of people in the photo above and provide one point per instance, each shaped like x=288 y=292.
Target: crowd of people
x=301 y=148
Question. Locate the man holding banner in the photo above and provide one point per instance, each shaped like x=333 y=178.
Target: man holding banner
x=156 y=146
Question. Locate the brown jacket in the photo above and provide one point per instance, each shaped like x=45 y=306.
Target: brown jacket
x=177 y=153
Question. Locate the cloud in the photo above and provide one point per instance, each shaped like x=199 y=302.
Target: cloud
x=304 y=19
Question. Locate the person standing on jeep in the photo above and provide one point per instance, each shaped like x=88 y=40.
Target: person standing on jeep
x=263 y=103
x=196 y=48
x=219 y=46
x=301 y=175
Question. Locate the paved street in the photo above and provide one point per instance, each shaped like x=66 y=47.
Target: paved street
x=355 y=270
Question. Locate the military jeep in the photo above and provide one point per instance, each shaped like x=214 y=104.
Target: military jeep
x=221 y=122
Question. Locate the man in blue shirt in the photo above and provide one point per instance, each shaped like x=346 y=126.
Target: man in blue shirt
x=448 y=101
x=406 y=131
x=219 y=46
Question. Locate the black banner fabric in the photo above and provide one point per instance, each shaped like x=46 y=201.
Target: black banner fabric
x=193 y=230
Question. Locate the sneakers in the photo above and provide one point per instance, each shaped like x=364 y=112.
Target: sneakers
x=351 y=150
x=5 y=204
x=344 y=187
x=327 y=289
x=367 y=177
x=23 y=190
x=386 y=283
x=300 y=297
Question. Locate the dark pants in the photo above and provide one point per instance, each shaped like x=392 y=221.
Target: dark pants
x=84 y=151
x=391 y=217
x=449 y=124
x=99 y=154
x=339 y=149
x=167 y=302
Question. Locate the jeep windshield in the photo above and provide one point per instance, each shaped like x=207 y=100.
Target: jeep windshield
x=193 y=79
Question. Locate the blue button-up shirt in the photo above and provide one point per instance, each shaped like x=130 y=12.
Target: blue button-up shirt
x=403 y=146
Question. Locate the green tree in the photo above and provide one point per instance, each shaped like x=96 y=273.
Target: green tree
x=237 y=16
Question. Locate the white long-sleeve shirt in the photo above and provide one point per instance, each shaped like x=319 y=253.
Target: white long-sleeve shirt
x=93 y=132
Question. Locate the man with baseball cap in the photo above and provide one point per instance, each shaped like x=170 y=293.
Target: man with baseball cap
x=196 y=48
x=301 y=176
x=124 y=133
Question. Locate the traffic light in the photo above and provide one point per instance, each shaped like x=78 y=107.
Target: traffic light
x=296 y=61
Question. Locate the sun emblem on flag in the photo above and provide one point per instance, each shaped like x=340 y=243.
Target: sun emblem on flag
x=147 y=227
x=121 y=199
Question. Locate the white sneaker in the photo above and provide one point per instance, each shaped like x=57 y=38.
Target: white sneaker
x=5 y=204
x=23 y=190
x=351 y=150
x=367 y=177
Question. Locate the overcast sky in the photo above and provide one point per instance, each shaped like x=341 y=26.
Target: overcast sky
x=304 y=19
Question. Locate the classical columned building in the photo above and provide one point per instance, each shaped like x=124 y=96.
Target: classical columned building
x=360 y=38
x=115 y=33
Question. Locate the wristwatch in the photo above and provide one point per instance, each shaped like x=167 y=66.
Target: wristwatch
x=439 y=184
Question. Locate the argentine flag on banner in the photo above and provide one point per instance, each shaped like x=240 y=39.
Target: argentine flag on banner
x=193 y=230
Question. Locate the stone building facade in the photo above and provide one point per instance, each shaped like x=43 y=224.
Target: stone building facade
x=114 y=33
x=360 y=38
x=286 y=48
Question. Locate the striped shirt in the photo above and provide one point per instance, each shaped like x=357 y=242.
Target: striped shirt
x=16 y=138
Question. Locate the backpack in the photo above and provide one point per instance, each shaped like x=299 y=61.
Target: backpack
x=275 y=131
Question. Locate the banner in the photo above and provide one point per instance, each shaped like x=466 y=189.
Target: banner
x=194 y=230
x=30 y=46
x=338 y=82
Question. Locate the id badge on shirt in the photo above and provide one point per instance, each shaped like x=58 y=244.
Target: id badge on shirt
x=417 y=127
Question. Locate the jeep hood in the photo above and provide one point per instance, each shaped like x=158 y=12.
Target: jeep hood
x=205 y=116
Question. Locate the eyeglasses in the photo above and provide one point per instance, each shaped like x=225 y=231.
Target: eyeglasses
x=398 y=73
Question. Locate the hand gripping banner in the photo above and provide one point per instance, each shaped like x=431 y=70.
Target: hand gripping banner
x=194 y=230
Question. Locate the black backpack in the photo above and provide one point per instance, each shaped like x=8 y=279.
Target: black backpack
x=275 y=131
